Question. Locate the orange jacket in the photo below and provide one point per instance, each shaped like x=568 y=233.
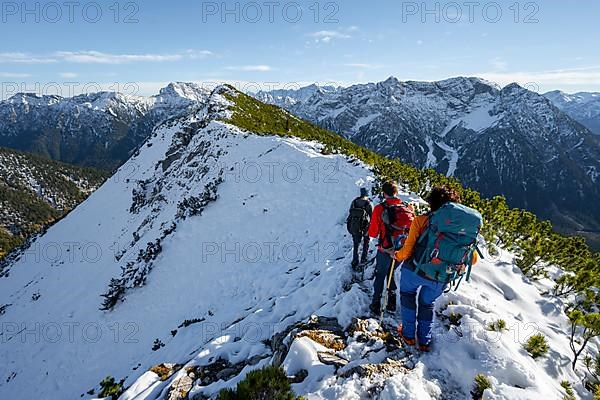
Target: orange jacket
x=417 y=228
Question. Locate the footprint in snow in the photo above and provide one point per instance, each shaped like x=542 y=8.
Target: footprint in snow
x=507 y=291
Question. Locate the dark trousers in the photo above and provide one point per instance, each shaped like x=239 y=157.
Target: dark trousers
x=357 y=239
x=382 y=270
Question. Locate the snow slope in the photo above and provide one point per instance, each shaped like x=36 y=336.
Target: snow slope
x=242 y=236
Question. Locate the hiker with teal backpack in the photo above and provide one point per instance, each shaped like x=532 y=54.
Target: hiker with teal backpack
x=359 y=218
x=440 y=250
x=390 y=224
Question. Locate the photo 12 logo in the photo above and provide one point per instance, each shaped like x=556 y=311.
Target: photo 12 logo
x=66 y=89
x=470 y=11
x=270 y=11
x=53 y=12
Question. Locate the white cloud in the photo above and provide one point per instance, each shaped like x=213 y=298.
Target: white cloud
x=250 y=68
x=68 y=75
x=14 y=75
x=198 y=54
x=589 y=76
x=97 y=57
x=363 y=65
x=23 y=58
x=498 y=64
x=328 y=36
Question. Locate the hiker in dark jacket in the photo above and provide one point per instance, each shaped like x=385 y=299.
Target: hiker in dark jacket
x=360 y=235
x=417 y=313
x=385 y=247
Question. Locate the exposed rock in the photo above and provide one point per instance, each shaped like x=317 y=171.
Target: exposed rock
x=332 y=359
x=166 y=370
x=324 y=338
x=299 y=377
x=386 y=369
x=180 y=388
x=325 y=330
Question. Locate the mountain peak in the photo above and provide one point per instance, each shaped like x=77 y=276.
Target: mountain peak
x=514 y=86
x=392 y=81
x=31 y=98
x=182 y=93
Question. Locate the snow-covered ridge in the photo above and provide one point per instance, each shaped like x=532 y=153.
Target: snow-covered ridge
x=221 y=241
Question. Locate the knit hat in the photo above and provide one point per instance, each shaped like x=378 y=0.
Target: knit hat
x=364 y=192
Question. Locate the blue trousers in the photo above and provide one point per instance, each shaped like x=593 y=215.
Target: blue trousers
x=382 y=270
x=410 y=283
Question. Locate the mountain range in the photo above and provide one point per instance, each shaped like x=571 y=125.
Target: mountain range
x=583 y=107
x=501 y=141
x=226 y=251
x=535 y=150
x=99 y=130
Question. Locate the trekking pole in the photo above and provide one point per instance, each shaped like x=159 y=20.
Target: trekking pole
x=385 y=296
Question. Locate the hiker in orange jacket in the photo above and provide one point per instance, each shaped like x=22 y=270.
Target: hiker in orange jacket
x=411 y=282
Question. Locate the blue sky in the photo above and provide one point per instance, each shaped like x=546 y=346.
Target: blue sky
x=139 y=46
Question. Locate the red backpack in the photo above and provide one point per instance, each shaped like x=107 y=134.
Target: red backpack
x=397 y=219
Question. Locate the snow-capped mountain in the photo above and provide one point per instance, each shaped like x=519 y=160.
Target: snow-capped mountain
x=290 y=97
x=583 y=107
x=226 y=251
x=98 y=129
x=508 y=141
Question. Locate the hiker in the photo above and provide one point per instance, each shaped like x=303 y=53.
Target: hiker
x=440 y=247
x=390 y=224
x=358 y=223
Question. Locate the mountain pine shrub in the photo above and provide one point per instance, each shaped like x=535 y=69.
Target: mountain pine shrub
x=536 y=345
x=592 y=364
x=267 y=383
x=110 y=388
x=480 y=384
x=497 y=326
x=569 y=392
x=585 y=325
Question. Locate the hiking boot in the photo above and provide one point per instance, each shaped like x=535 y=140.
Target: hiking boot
x=354 y=264
x=408 y=341
x=375 y=308
x=364 y=260
x=391 y=304
x=424 y=347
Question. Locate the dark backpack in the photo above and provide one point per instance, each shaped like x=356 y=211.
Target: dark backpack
x=359 y=219
x=397 y=219
x=444 y=252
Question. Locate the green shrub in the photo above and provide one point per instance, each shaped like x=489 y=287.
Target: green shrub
x=536 y=345
x=111 y=388
x=497 y=326
x=569 y=392
x=480 y=384
x=454 y=318
x=267 y=383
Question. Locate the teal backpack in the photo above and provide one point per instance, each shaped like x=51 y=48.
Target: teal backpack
x=444 y=252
